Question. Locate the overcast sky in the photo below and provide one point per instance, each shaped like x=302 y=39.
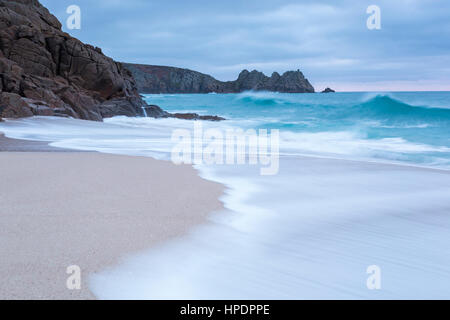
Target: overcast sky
x=327 y=40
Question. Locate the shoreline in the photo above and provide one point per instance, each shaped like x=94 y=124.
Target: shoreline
x=19 y=145
x=350 y=208
x=320 y=217
x=88 y=222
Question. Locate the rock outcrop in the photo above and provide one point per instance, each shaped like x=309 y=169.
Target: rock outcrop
x=160 y=79
x=328 y=90
x=195 y=116
x=45 y=71
x=289 y=82
x=155 y=111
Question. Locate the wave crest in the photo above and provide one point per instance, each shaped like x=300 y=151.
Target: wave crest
x=264 y=98
x=385 y=106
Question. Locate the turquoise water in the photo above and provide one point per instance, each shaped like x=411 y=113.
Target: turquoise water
x=411 y=127
x=311 y=230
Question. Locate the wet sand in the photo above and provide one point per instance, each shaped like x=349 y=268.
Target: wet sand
x=88 y=209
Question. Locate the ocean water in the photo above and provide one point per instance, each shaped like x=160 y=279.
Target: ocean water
x=409 y=127
x=363 y=180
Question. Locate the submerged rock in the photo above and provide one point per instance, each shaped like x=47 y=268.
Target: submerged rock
x=195 y=116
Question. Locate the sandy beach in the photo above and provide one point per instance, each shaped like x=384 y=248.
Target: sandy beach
x=313 y=139
x=88 y=209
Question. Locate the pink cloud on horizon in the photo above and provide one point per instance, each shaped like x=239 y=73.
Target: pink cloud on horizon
x=383 y=86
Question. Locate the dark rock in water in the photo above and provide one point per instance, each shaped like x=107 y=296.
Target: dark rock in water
x=128 y=106
x=195 y=116
x=211 y=118
x=161 y=79
x=45 y=71
x=155 y=111
x=328 y=90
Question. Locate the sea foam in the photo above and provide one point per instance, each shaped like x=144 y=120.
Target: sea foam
x=312 y=230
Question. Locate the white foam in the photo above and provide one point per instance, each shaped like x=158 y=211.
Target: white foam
x=352 y=145
x=309 y=232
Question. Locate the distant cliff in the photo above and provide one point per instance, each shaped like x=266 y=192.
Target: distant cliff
x=161 y=79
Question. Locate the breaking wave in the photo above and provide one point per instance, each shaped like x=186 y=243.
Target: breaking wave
x=384 y=106
x=263 y=98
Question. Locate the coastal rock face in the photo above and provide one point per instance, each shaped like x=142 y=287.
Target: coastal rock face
x=289 y=82
x=45 y=71
x=328 y=90
x=160 y=79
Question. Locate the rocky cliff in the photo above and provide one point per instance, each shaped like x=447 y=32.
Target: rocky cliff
x=45 y=71
x=161 y=79
x=289 y=82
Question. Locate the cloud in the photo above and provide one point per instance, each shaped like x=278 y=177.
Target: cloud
x=328 y=40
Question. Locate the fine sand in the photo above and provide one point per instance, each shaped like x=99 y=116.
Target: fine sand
x=15 y=145
x=88 y=209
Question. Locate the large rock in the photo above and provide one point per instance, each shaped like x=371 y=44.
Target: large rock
x=14 y=106
x=161 y=79
x=289 y=82
x=44 y=71
x=155 y=111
